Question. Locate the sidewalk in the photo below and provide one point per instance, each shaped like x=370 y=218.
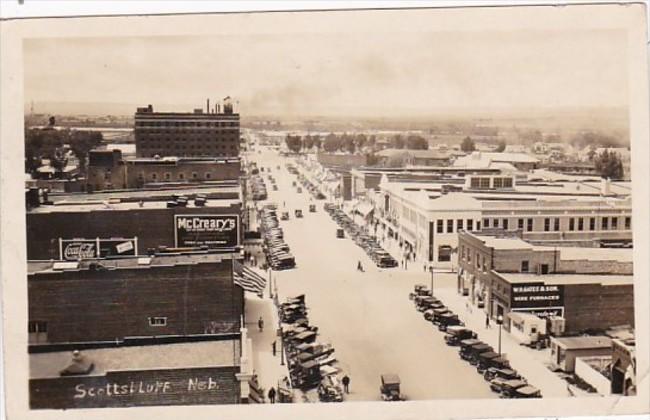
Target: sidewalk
x=268 y=368
x=530 y=363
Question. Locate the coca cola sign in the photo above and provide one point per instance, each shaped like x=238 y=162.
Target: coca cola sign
x=84 y=249
x=74 y=251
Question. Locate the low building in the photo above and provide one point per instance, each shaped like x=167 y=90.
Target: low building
x=591 y=288
x=344 y=161
x=410 y=157
x=565 y=350
x=521 y=161
x=107 y=170
x=134 y=222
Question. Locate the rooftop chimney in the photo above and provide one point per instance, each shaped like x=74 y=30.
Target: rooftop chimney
x=207 y=107
x=605 y=186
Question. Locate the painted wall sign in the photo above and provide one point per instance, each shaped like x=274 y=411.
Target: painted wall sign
x=217 y=385
x=83 y=249
x=212 y=230
x=536 y=295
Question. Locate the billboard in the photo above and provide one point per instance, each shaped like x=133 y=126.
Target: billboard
x=211 y=230
x=536 y=295
x=83 y=249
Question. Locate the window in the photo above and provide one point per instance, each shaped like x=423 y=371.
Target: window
x=168 y=176
x=495 y=223
x=530 y=225
x=181 y=176
x=547 y=224
x=572 y=224
x=581 y=223
x=524 y=266
x=157 y=321
x=478 y=225
x=520 y=224
x=469 y=255
x=485 y=182
x=444 y=253
x=208 y=175
x=614 y=223
x=592 y=223
x=470 y=224
x=474 y=182
x=154 y=176
x=498 y=182
x=439 y=226
x=459 y=224
x=485 y=268
x=628 y=223
x=557 y=224
x=478 y=260
x=36 y=327
x=604 y=223
x=486 y=223
x=450 y=225
x=507 y=182
x=505 y=224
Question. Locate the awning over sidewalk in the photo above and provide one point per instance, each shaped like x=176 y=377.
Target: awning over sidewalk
x=247 y=279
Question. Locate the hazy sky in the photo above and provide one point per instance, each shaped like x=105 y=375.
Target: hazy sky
x=390 y=73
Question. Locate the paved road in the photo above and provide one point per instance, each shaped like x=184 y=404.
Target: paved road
x=366 y=316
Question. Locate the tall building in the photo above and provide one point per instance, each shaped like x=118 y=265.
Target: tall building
x=213 y=133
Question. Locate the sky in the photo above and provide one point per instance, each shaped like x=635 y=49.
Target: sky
x=381 y=74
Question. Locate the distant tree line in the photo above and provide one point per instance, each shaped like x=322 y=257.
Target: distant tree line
x=349 y=143
x=47 y=143
x=609 y=164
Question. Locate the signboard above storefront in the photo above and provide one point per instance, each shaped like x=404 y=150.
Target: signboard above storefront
x=211 y=230
x=536 y=295
x=84 y=249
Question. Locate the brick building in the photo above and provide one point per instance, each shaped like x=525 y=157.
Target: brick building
x=592 y=288
x=107 y=170
x=147 y=218
x=213 y=133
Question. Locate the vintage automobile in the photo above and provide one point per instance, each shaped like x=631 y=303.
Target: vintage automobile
x=390 y=387
x=340 y=233
x=505 y=374
x=527 y=391
x=306 y=375
x=299 y=190
x=312 y=208
x=499 y=362
x=448 y=319
x=330 y=389
x=483 y=360
x=507 y=388
x=285 y=215
x=438 y=313
x=425 y=303
x=298 y=213
x=419 y=290
x=470 y=349
x=456 y=334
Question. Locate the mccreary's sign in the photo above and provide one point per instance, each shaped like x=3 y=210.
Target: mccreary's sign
x=212 y=230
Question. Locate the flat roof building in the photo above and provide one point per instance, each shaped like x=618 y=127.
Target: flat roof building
x=214 y=133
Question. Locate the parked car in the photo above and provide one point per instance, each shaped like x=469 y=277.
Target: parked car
x=390 y=388
x=456 y=334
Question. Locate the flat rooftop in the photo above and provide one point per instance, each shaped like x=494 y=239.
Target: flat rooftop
x=73 y=207
x=160 y=356
x=568 y=279
x=137 y=262
x=584 y=342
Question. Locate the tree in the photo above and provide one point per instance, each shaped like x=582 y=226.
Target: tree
x=467 y=145
x=501 y=146
x=416 y=143
x=81 y=142
x=350 y=146
x=398 y=160
x=397 y=142
x=294 y=143
x=361 y=140
x=318 y=142
x=609 y=165
x=372 y=140
x=308 y=142
x=332 y=143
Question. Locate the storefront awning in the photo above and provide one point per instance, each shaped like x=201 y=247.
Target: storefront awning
x=247 y=279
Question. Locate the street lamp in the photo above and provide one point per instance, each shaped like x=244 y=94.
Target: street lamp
x=499 y=322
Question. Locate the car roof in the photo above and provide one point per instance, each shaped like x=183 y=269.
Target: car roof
x=390 y=378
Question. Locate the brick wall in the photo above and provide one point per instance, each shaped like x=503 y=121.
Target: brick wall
x=593 y=306
x=216 y=385
x=152 y=227
x=83 y=306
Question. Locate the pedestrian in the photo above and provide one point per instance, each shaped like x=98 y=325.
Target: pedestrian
x=346 y=384
x=359 y=267
x=424 y=267
x=274 y=349
x=487 y=321
x=272 y=395
x=260 y=324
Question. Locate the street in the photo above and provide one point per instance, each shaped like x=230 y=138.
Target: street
x=367 y=316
